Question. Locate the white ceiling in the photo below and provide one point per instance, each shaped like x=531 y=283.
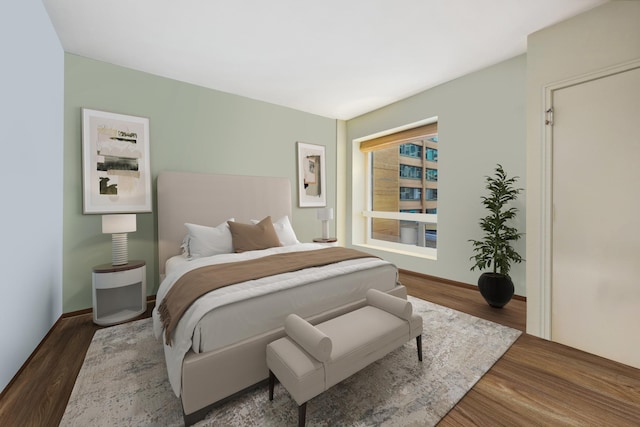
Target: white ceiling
x=335 y=58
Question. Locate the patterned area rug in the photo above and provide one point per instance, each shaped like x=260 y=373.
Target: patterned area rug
x=123 y=381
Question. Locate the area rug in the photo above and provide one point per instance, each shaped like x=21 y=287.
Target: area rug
x=123 y=381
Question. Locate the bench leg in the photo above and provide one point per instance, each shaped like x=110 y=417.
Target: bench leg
x=302 y=414
x=419 y=345
x=272 y=381
x=302 y=409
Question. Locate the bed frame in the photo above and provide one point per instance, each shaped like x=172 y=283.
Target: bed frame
x=208 y=199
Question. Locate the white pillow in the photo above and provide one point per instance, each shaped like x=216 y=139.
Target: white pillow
x=206 y=241
x=284 y=230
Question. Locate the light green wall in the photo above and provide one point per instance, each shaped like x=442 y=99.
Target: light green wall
x=191 y=129
x=481 y=122
x=594 y=41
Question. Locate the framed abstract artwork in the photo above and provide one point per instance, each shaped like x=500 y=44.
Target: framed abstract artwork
x=116 y=175
x=311 y=175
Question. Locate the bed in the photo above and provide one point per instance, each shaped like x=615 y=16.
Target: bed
x=218 y=349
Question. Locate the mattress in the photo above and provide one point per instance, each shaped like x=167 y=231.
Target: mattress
x=236 y=321
x=237 y=312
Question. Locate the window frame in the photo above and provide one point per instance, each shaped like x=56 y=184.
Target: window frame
x=362 y=201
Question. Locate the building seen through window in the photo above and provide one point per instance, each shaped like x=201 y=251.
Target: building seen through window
x=404 y=179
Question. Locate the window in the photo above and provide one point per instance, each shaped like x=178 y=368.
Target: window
x=431 y=238
x=409 y=193
x=398 y=212
x=411 y=172
x=411 y=150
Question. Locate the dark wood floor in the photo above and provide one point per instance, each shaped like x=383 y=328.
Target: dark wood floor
x=536 y=382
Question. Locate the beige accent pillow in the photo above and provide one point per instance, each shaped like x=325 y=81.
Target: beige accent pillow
x=251 y=237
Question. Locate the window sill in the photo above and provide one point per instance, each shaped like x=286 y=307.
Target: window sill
x=413 y=251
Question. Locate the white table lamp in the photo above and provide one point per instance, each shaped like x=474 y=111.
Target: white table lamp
x=118 y=226
x=325 y=215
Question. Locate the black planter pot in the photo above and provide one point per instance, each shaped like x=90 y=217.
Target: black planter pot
x=497 y=289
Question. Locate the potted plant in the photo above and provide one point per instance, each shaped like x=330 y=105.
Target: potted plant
x=494 y=251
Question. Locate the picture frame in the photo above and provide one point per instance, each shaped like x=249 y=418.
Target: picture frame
x=116 y=172
x=311 y=175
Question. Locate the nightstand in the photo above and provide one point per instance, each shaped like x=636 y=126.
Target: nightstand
x=331 y=241
x=119 y=292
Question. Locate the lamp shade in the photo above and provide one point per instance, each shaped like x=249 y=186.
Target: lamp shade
x=124 y=223
x=324 y=214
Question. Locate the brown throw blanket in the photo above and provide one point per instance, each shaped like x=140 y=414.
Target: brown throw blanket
x=195 y=283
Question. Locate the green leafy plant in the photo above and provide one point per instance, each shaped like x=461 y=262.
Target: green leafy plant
x=495 y=249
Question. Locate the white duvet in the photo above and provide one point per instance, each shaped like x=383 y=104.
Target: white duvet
x=225 y=299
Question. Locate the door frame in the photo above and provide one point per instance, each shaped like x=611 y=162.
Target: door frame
x=546 y=199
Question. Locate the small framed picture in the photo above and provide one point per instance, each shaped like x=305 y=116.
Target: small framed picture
x=311 y=175
x=116 y=175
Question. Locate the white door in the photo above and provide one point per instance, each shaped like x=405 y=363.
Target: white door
x=595 y=280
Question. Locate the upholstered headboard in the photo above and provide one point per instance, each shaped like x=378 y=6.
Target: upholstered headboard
x=209 y=199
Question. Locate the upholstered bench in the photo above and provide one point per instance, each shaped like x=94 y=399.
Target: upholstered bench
x=310 y=359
